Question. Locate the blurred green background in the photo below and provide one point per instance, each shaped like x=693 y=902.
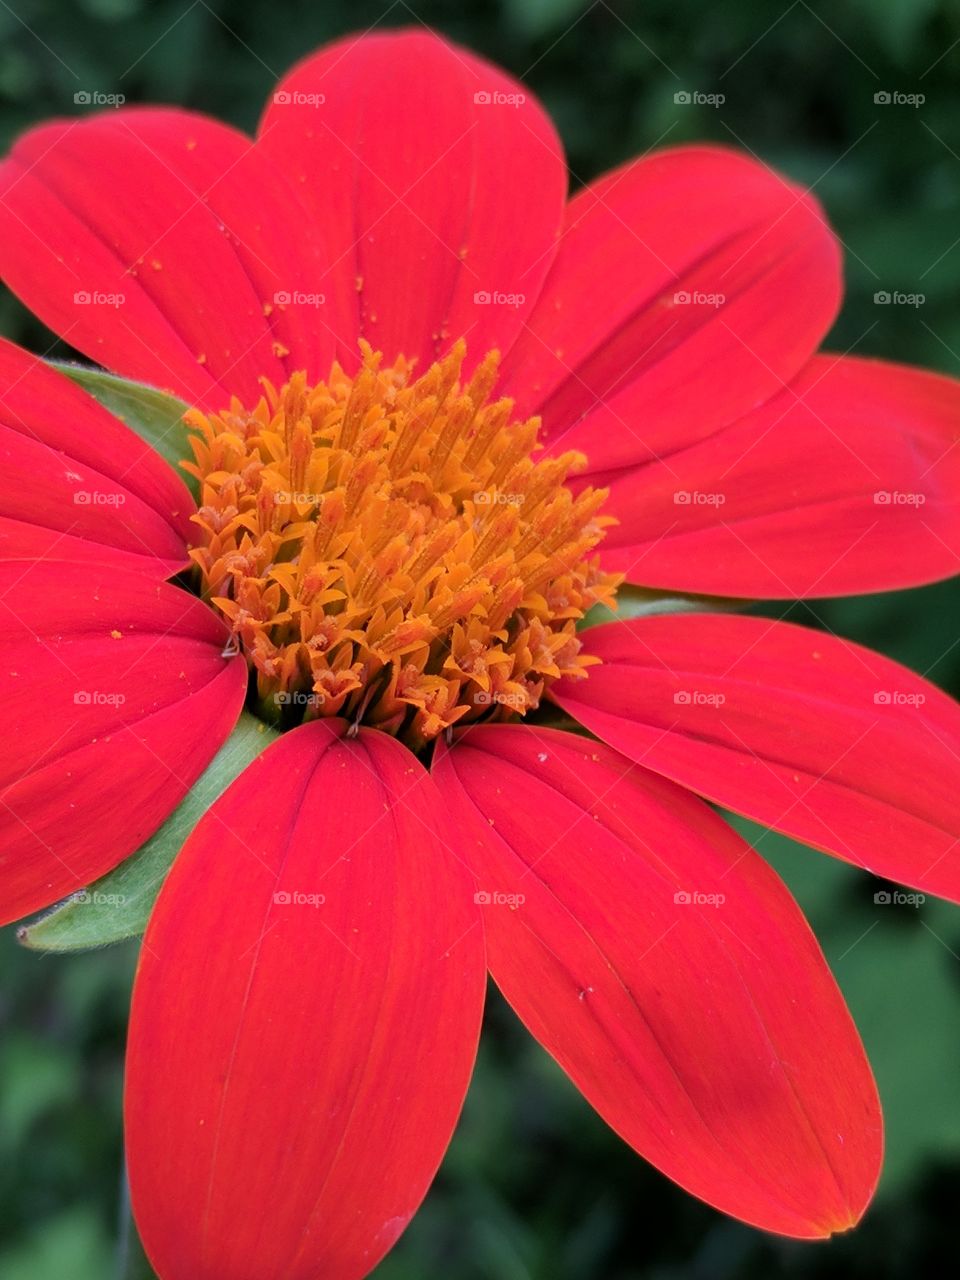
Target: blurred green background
x=535 y=1187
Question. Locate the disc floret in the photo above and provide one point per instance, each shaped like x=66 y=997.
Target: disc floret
x=388 y=547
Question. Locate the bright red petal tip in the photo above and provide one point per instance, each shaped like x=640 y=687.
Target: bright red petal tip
x=77 y=482
x=689 y=286
x=845 y=482
x=809 y=734
x=670 y=973
x=120 y=697
x=202 y=291
x=305 y=1018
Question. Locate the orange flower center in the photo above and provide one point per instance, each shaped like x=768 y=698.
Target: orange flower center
x=387 y=548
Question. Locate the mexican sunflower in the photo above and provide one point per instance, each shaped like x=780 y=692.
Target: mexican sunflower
x=437 y=412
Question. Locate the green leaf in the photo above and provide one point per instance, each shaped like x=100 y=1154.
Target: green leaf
x=155 y=416
x=118 y=905
x=638 y=602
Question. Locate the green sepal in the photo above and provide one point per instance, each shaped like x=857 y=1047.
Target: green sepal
x=154 y=415
x=638 y=602
x=117 y=906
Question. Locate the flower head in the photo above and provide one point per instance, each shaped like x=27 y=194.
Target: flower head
x=388 y=548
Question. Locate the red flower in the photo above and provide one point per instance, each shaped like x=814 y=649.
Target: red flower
x=394 y=568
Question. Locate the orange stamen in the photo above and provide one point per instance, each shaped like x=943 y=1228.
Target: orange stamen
x=388 y=546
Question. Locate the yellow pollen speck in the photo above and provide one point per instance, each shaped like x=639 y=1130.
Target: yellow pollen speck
x=156 y=264
x=387 y=548
x=279 y=350
x=201 y=358
x=116 y=635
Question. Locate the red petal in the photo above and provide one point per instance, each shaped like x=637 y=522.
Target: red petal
x=712 y=1038
x=206 y=235
x=321 y=1050
x=77 y=478
x=118 y=698
x=809 y=734
x=845 y=482
x=620 y=369
x=22 y=540
x=426 y=194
